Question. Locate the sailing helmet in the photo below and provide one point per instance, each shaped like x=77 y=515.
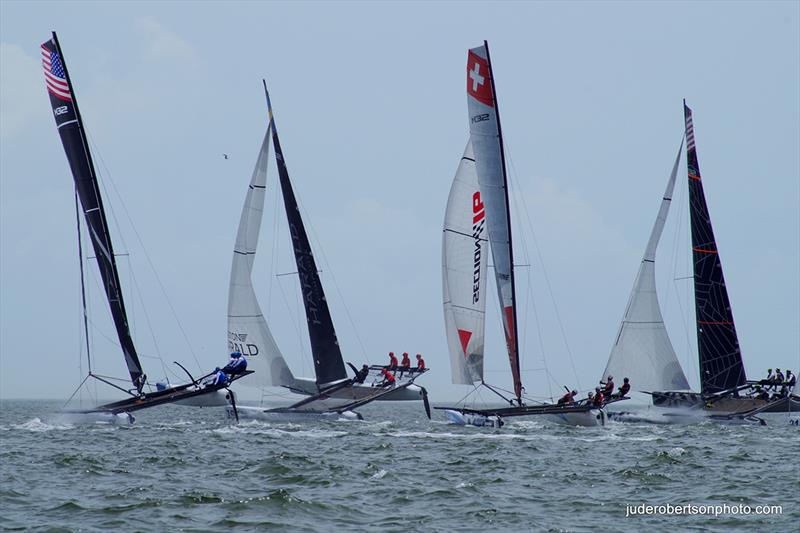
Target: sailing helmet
x=236 y=354
x=610 y=376
x=625 y=380
x=391 y=353
x=597 y=389
x=574 y=392
x=405 y=354
x=591 y=394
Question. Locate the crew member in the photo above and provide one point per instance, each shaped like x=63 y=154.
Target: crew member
x=626 y=387
x=388 y=378
x=608 y=390
x=420 y=363
x=392 y=360
x=361 y=375
x=236 y=365
x=779 y=379
x=789 y=384
x=598 y=397
x=568 y=398
x=405 y=363
x=219 y=377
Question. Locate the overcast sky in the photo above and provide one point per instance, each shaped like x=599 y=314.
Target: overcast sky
x=371 y=106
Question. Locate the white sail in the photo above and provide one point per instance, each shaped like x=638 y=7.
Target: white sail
x=643 y=351
x=464 y=257
x=247 y=329
x=484 y=127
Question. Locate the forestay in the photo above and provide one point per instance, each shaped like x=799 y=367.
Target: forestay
x=486 y=137
x=464 y=258
x=247 y=329
x=642 y=350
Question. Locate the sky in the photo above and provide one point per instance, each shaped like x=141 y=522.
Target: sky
x=370 y=103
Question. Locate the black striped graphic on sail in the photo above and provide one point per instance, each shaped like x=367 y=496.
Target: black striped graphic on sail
x=328 y=362
x=73 y=137
x=721 y=365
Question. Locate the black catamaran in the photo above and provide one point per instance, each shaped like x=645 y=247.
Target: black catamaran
x=331 y=392
x=88 y=198
x=478 y=213
x=724 y=386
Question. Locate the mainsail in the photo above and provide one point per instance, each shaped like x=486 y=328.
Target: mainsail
x=642 y=350
x=464 y=258
x=721 y=366
x=73 y=137
x=487 y=143
x=328 y=362
x=247 y=329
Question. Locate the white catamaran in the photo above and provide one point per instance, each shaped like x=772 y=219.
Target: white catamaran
x=477 y=216
x=332 y=393
x=89 y=201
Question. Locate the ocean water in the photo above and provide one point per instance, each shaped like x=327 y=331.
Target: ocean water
x=187 y=469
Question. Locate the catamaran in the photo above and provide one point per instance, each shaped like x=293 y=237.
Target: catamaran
x=88 y=199
x=642 y=349
x=332 y=393
x=477 y=216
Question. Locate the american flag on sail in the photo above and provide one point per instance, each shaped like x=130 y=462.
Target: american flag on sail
x=689 y=130
x=54 y=75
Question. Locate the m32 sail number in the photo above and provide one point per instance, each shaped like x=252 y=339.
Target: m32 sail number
x=60 y=110
x=480 y=118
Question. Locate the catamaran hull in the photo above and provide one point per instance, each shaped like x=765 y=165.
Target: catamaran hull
x=288 y=415
x=97 y=417
x=219 y=398
x=358 y=391
x=593 y=418
x=470 y=419
x=731 y=405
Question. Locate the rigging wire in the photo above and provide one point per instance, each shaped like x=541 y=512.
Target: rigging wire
x=537 y=248
x=107 y=174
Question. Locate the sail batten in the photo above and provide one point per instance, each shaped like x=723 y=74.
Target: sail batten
x=73 y=137
x=721 y=365
x=328 y=362
x=642 y=350
x=487 y=143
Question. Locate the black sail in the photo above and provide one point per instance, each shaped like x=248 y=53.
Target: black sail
x=328 y=362
x=73 y=137
x=721 y=364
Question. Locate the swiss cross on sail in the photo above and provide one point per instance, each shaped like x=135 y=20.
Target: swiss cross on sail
x=479 y=79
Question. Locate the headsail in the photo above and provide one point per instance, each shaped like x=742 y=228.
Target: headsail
x=464 y=259
x=721 y=366
x=642 y=350
x=487 y=143
x=73 y=137
x=247 y=329
x=328 y=362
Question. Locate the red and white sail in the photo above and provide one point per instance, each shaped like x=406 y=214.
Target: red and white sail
x=247 y=329
x=465 y=253
x=487 y=144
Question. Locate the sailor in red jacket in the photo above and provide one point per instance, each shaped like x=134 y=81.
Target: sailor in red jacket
x=405 y=363
x=388 y=378
x=598 y=397
x=420 y=362
x=392 y=360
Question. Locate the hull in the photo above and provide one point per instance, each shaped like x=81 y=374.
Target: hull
x=358 y=391
x=469 y=419
x=593 y=418
x=289 y=415
x=97 y=417
x=218 y=398
x=728 y=405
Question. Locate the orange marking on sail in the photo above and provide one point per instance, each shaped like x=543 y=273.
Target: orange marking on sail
x=704 y=251
x=693 y=177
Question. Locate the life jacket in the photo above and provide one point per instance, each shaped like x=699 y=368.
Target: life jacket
x=609 y=388
x=392 y=360
x=421 y=364
x=598 y=398
x=389 y=376
x=624 y=389
x=406 y=361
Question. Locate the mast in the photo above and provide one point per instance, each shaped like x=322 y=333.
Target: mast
x=721 y=365
x=487 y=140
x=328 y=362
x=515 y=370
x=73 y=137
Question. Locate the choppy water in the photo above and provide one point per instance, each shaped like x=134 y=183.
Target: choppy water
x=180 y=468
